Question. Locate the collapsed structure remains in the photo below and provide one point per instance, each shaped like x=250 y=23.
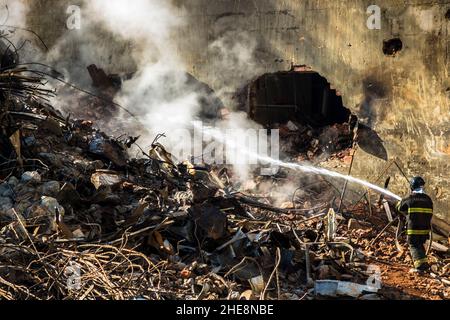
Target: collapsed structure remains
x=373 y=103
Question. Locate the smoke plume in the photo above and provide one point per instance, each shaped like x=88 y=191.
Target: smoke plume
x=144 y=38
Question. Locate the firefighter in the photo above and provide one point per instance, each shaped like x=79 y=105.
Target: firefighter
x=418 y=209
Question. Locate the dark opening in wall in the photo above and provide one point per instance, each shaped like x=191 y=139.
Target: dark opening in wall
x=392 y=46
x=447 y=14
x=305 y=97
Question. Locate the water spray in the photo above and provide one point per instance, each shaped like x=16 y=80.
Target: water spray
x=297 y=166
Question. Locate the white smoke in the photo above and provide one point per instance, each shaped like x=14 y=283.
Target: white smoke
x=13 y=21
x=149 y=23
x=161 y=99
x=145 y=36
x=234 y=53
x=13 y=13
x=160 y=93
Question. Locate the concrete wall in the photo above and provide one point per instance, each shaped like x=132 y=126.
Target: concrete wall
x=404 y=98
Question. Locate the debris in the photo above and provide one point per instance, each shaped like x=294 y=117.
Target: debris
x=51 y=188
x=107 y=149
x=291 y=126
x=32 y=177
x=6 y=190
x=69 y=195
x=105 y=179
x=388 y=210
x=257 y=284
x=334 y=288
x=331 y=225
x=325 y=272
x=210 y=220
x=247 y=295
x=353 y=224
x=51 y=206
x=88 y=166
x=5 y=204
x=13 y=182
x=186 y=274
x=51 y=158
x=370 y=296
x=99 y=78
x=438 y=247
x=161 y=228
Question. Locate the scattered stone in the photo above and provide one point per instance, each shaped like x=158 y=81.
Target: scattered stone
x=31 y=177
x=8 y=192
x=4 y=187
x=51 y=205
x=51 y=159
x=51 y=188
x=5 y=204
x=13 y=182
x=292 y=126
x=103 y=179
x=78 y=234
x=107 y=149
x=29 y=141
x=22 y=206
x=89 y=165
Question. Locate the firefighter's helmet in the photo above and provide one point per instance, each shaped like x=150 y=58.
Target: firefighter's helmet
x=417 y=182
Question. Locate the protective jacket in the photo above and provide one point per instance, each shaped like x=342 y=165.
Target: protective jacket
x=418 y=208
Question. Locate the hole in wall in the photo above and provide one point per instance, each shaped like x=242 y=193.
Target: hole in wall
x=305 y=97
x=447 y=14
x=308 y=111
x=392 y=46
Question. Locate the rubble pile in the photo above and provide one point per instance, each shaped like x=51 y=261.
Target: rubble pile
x=97 y=106
x=317 y=144
x=80 y=219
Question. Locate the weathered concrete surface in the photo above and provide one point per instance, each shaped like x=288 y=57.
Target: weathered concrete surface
x=404 y=98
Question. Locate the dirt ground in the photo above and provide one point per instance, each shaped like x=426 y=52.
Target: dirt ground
x=399 y=284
